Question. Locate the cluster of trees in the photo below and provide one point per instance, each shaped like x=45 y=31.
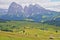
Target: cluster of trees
x=7 y=28
x=10 y=28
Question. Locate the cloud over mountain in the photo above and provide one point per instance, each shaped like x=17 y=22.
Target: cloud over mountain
x=44 y=3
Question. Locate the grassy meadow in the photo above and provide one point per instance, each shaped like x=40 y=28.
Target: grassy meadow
x=24 y=30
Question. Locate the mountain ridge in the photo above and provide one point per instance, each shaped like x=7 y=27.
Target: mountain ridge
x=34 y=12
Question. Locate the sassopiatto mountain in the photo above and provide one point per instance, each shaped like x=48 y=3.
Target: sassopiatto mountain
x=32 y=13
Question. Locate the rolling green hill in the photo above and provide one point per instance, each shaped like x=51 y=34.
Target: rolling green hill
x=24 y=30
x=30 y=34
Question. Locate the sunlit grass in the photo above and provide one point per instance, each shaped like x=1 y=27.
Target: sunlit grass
x=30 y=34
x=24 y=30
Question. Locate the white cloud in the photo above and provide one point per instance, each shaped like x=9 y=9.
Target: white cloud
x=23 y=2
x=48 y=4
x=52 y=6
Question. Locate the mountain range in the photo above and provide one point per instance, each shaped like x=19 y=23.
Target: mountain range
x=31 y=13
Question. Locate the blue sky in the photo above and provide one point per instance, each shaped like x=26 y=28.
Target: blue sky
x=48 y=4
x=55 y=0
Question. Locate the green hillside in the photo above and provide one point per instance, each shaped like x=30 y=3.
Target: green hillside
x=24 y=30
